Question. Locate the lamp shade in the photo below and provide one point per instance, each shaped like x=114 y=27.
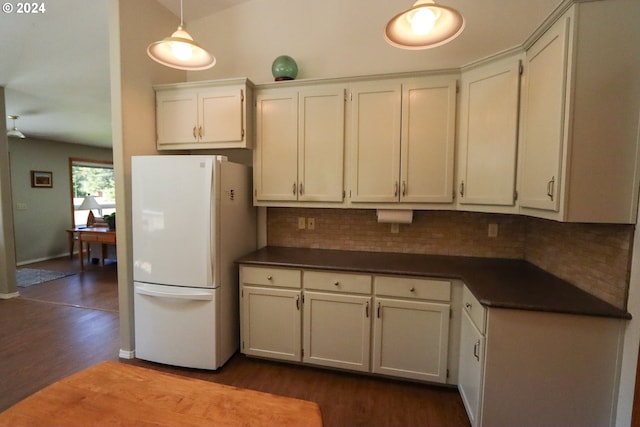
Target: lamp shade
x=89 y=202
x=425 y=25
x=181 y=52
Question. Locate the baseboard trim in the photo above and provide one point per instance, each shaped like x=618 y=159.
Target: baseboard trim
x=31 y=261
x=10 y=295
x=127 y=354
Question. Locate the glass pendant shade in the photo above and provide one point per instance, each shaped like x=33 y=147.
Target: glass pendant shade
x=181 y=52
x=423 y=26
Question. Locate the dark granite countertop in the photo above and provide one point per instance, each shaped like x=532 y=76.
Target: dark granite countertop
x=500 y=283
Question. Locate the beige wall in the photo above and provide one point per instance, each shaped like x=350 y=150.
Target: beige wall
x=40 y=228
x=132 y=26
x=7 y=249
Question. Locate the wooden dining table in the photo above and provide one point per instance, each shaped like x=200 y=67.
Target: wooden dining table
x=119 y=394
x=101 y=235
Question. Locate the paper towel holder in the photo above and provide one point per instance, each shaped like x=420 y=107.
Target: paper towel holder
x=395 y=216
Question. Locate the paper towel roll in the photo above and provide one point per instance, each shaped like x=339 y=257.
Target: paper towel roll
x=395 y=216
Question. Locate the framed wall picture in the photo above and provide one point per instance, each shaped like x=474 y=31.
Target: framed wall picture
x=41 y=179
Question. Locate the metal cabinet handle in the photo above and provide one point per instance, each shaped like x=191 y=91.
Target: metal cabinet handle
x=378 y=311
x=194 y=132
x=476 y=350
x=462 y=189
x=413 y=289
x=550 y=187
x=269 y=277
x=298 y=302
x=366 y=309
x=404 y=188
x=395 y=189
x=300 y=189
x=336 y=283
x=468 y=305
x=294 y=188
x=200 y=131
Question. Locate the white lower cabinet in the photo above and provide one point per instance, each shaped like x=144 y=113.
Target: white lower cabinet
x=271 y=319
x=470 y=369
x=329 y=316
x=337 y=330
x=270 y=310
x=411 y=335
x=532 y=368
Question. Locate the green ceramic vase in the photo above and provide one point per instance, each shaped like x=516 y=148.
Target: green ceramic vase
x=284 y=67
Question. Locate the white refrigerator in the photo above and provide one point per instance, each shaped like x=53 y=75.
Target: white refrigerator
x=192 y=216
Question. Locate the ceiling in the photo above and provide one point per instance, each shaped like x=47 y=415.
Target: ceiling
x=55 y=69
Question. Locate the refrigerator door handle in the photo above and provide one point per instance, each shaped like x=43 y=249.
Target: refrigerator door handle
x=179 y=293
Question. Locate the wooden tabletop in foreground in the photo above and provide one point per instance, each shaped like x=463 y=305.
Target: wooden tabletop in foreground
x=117 y=394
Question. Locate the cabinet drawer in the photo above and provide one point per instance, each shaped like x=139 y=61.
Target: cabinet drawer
x=342 y=282
x=266 y=276
x=406 y=287
x=476 y=311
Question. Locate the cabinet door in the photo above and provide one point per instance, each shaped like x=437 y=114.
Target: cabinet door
x=428 y=139
x=411 y=339
x=337 y=330
x=470 y=369
x=176 y=117
x=375 y=139
x=276 y=154
x=321 y=144
x=220 y=115
x=271 y=323
x=543 y=124
x=489 y=134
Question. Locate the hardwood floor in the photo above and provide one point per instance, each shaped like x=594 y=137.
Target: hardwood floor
x=57 y=328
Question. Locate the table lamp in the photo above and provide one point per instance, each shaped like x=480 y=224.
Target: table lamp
x=89 y=202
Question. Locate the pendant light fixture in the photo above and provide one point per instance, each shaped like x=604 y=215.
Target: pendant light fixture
x=423 y=26
x=14 y=132
x=180 y=51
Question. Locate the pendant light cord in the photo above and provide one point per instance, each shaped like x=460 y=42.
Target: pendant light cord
x=181 y=18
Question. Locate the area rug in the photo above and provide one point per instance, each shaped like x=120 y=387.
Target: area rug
x=31 y=276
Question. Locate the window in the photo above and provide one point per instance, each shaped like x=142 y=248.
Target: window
x=95 y=178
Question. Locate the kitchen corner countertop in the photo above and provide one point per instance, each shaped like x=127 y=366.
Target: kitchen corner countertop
x=495 y=282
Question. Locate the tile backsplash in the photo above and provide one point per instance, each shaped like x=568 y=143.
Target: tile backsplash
x=594 y=257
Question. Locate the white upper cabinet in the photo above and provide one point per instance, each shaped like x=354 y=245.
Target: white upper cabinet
x=300 y=144
x=375 y=141
x=427 y=141
x=276 y=154
x=203 y=115
x=580 y=108
x=488 y=134
x=543 y=105
x=402 y=141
